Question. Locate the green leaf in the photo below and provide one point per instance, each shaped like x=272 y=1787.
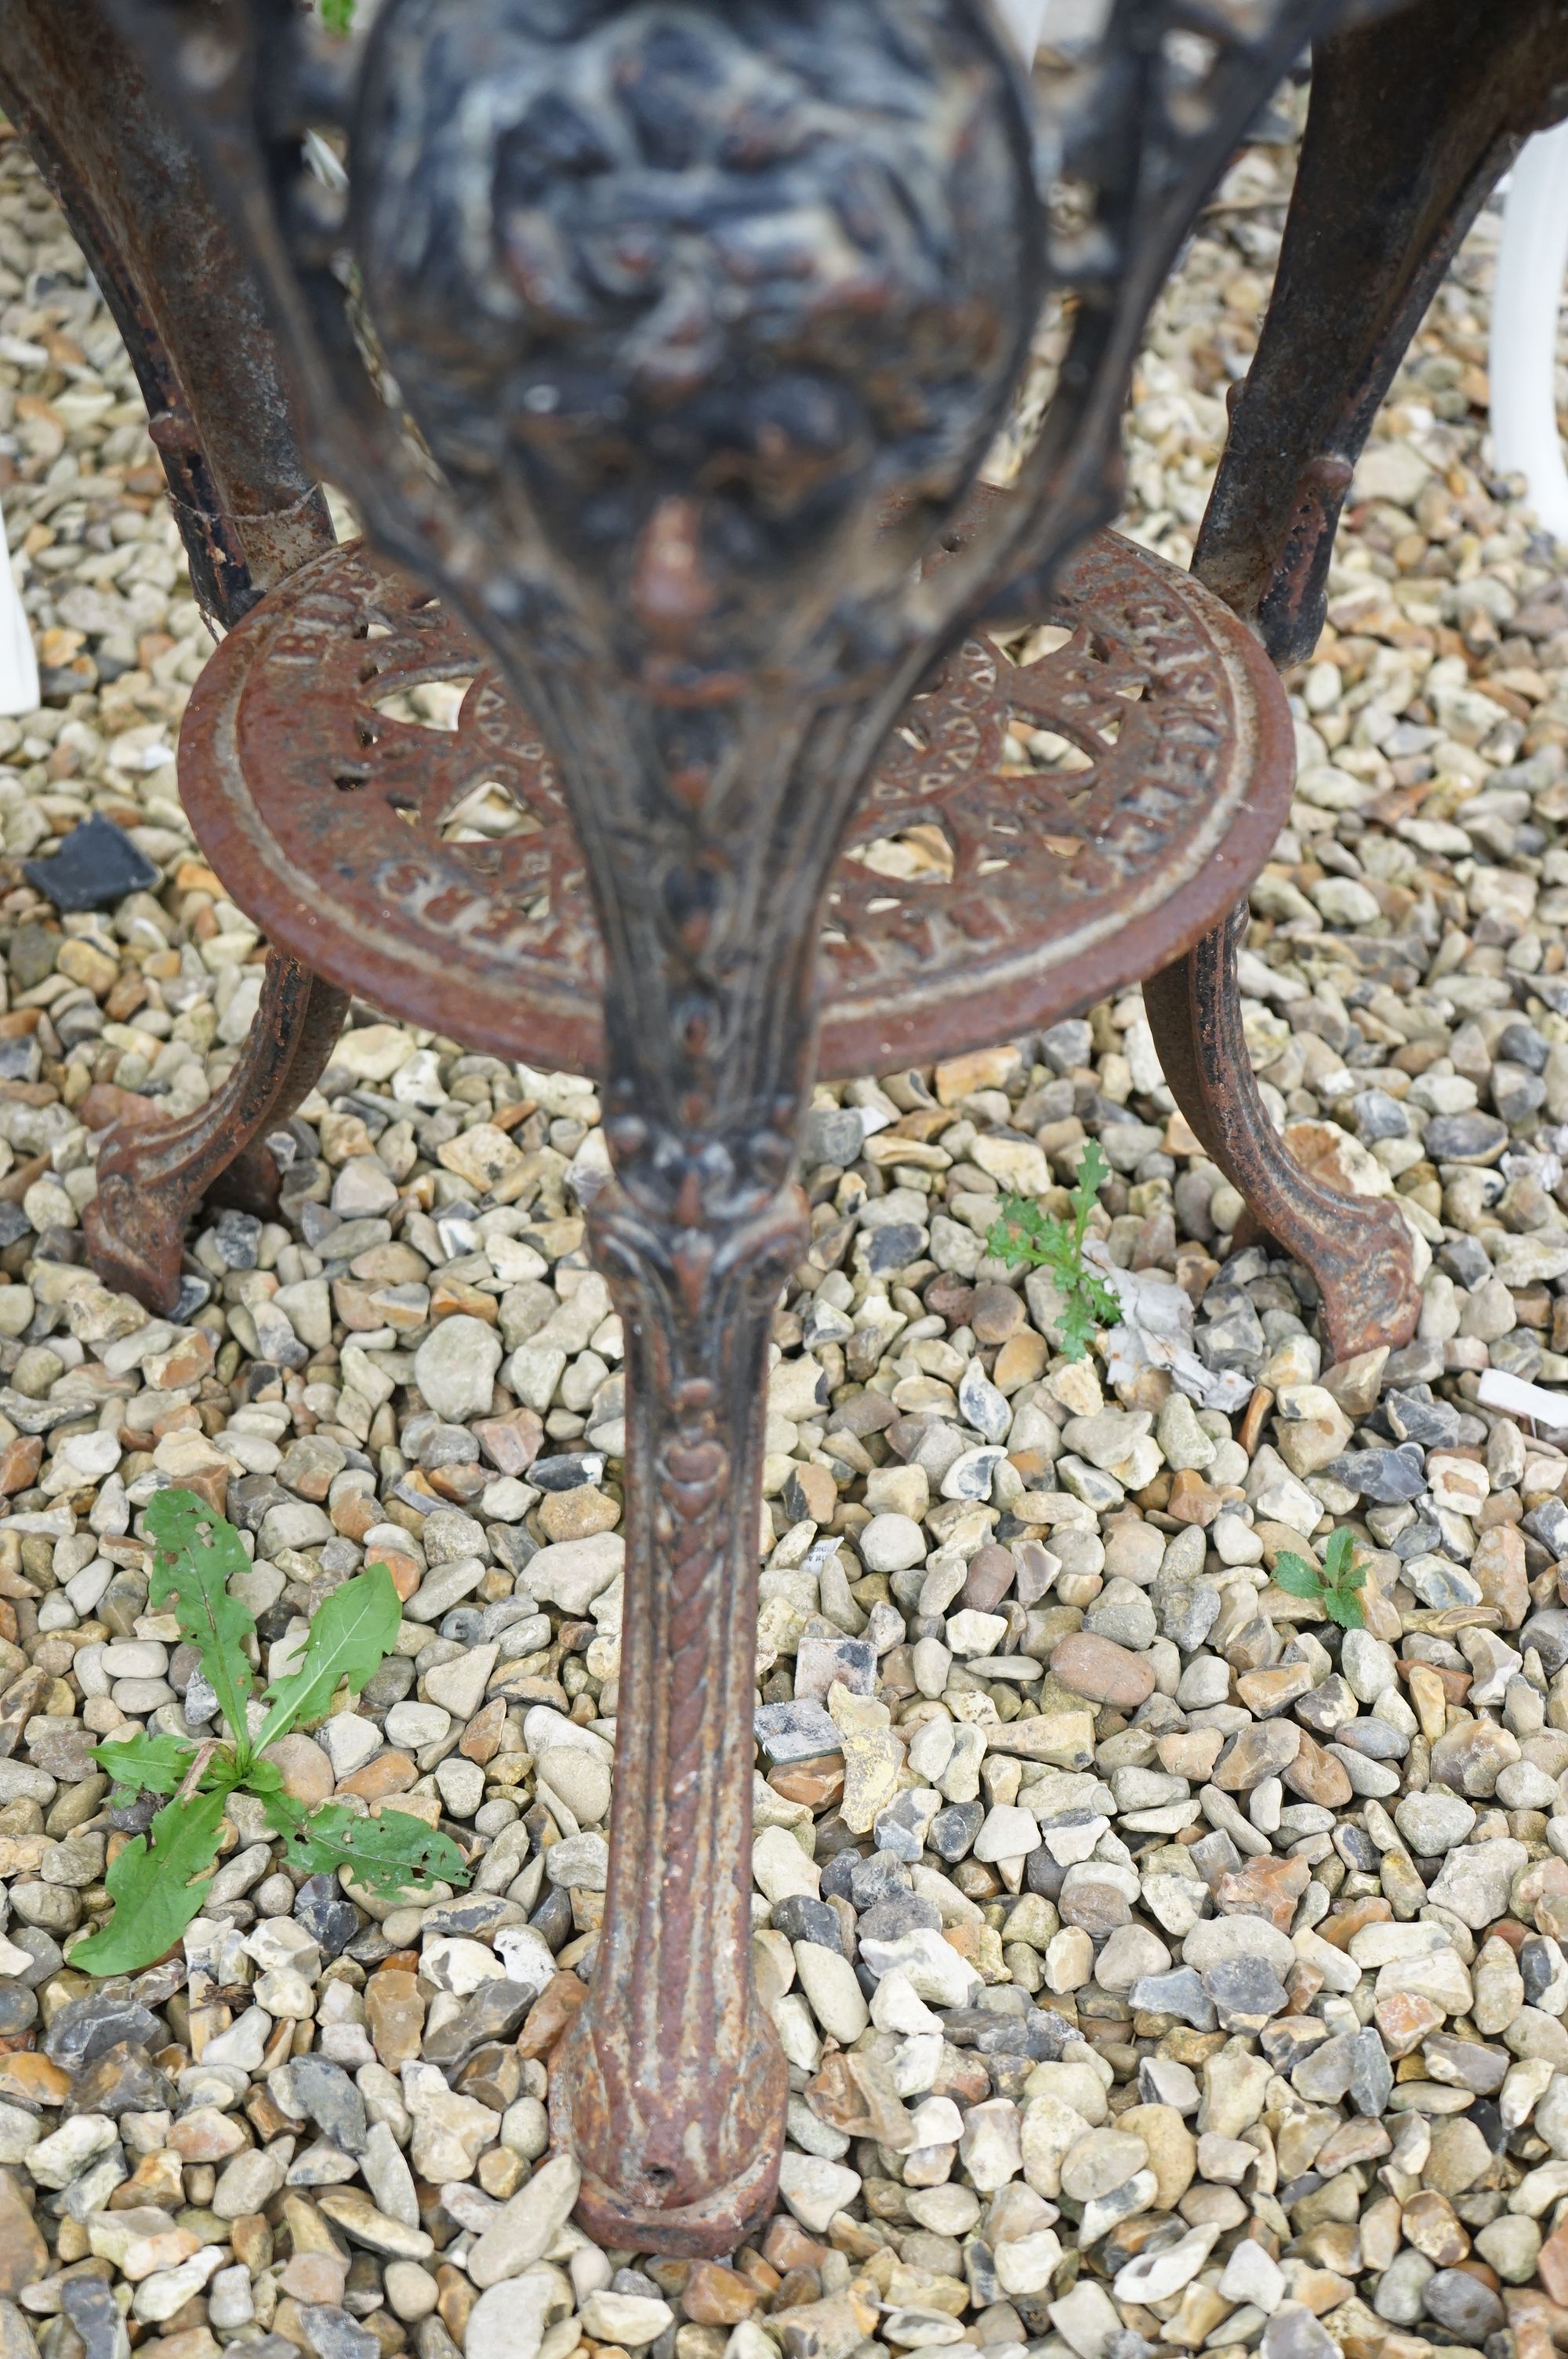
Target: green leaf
x=145 y=1765
x=1026 y=1236
x=394 y=1853
x=1103 y=1302
x=353 y=1630
x=198 y=1555
x=338 y=16
x=1344 y=1606
x=1092 y=1173
x=1339 y=1554
x=155 y=1898
x=1355 y=1579
x=1015 y=1238
x=1007 y=1246
x=1296 y=1577
x=1075 y=1328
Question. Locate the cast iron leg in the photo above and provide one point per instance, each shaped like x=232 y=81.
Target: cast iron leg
x=1412 y=120
x=1356 y=1248
x=151 y=1176
x=247 y=511
x=672 y=2086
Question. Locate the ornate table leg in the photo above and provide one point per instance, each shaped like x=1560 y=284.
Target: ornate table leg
x=1356 y=1248
x=248 y=513
x=1412 y=120
x=152 y=1176
x=671 y=2087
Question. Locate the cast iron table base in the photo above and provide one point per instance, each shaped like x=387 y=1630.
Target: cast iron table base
x=660 y=419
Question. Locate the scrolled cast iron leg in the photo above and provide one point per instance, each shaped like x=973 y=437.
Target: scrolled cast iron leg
x=195 y=328
x=152 y=1176
x=1356 y=1248
x=671 y=2087
x=1412 y=117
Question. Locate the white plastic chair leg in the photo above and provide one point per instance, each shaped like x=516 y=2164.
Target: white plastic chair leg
x=1024 y=20
x=1530 y=266
x=18 y=663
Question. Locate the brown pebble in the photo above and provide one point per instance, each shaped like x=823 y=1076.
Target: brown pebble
x=511 y=1443
x=551 y=2014
x=716 y=2295
x=988 y=1579
x=810 y=1493
x=395 y=2014
x=251 y=2237
x=1266 y=1749
x=1191 y=1500
x=19 y=1462
x=1553 y=2265
x=1103 y=1671
x=480 y=1741
x=818 y=1783
x=454 y=2300
x=1403 y=2020
x=204 y=2134
x=34 y=2078
x=452 y=1299
x=1023 y=1360
x=786 y=2246
x=1318 y=1777
x=500 y=2173
x=389 y=1773
x=1267 y=1692
x=306 y=1771
x=1251 y=1430
x=996 y=1313
x=577 y=1513
x=1432 y=2225
x=24 y=2256
x=1270 y=1888
x=1190 y=1751
x=315 y=2276
x=1371 y=1909
x=354 y=1516
x=406 y=1571
x=106 y=1103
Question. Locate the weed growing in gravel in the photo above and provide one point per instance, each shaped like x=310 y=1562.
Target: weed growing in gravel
x=1335 y=1584
x=158 y=1886
x=338 y=16
x=1026 y=1236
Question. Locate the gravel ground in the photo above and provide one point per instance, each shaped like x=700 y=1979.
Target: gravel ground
x=1157 y=1964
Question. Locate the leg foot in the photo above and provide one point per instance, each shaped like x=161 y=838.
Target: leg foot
x=1356 y=1248
x=152 y=1176
x=716 y=2222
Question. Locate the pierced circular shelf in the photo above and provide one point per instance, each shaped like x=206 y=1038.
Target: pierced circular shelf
x=1043 y=830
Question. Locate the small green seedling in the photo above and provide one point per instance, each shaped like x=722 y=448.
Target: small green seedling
x=1335 y=1584
x=338 y=16
x=158 y=1886
x=1028 y=1238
